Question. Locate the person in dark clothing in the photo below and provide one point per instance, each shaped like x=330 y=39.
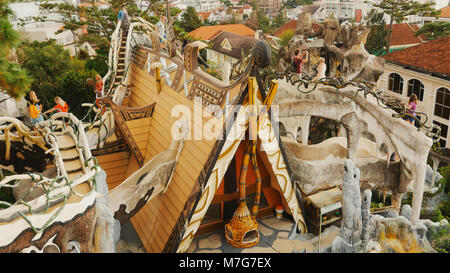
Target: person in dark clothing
x=300 y=58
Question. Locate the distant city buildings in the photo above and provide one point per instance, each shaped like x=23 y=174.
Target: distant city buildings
x=343 y=10
x=22 y=20
x=270 y=7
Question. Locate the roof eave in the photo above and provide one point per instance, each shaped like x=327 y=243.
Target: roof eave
x=420 y=70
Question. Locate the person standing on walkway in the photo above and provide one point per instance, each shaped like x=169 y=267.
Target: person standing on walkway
x=35 y=110
x=123 y=17
x=412 y=105
x=61 y=106
x=299 y=59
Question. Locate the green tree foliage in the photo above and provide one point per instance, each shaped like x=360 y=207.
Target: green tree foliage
x=294 y=3
x=286 y=36
x=244 y=2
x=434 y=30
x=279 y=20
x=97 y=64
x=226 y=3
x=190 y=20
x=13 y=78
x=398 y=10
x=260 y=19
x=376 y=40
x=57 y=74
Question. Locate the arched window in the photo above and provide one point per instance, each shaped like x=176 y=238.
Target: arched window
x=415 y=87
x=395 y=83
x=442 y=106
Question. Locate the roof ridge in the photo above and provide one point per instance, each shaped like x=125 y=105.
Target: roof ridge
x=418 y=36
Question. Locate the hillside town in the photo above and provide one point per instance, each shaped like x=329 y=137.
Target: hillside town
x=350 y=153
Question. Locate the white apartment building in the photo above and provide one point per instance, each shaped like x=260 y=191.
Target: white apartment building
x=424 y=71
x=345 y=9
x=198 y=5
x=22 y=20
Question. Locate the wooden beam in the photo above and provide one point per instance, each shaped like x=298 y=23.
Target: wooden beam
x=235 y=195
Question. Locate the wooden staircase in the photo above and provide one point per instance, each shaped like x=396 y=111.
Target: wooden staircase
x=120 y=62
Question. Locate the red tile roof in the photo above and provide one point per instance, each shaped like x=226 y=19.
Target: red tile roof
x=433 y=56
x=292 y=25
x=403 y=34
x=204 y=15
x=208 y=32
x=445 y=12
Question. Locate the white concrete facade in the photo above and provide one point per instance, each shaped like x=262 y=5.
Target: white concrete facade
x=343 y=10
x=431 y=85
x=218 y=59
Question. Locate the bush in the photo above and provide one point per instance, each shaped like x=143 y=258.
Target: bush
x=440 y=239
x=286 y=36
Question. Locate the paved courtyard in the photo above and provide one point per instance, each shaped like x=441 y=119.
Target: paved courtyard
x=274 y=238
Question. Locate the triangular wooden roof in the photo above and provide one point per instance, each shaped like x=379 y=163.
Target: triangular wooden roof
x=168 y=222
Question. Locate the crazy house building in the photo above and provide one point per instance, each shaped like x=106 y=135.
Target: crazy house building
x=176 y=153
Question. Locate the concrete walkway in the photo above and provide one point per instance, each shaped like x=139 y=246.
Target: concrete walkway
x=274 y=238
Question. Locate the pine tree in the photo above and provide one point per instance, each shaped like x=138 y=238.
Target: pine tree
x=376 y=40
x=13 y=78
x=434 y=30
x=190 y=20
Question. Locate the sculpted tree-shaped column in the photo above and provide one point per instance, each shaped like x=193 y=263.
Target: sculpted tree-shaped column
x=353 y=235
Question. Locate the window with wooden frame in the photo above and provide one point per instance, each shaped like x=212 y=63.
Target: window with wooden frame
x=442 y=106
x=395 y=83
x=416 y=87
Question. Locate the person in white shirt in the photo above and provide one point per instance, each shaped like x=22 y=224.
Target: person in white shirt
x=321 y=69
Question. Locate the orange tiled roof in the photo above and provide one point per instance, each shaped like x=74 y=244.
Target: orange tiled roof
x=403 y=34
x=204 y=14
x=433 y=56
x=208 y=32
x=445 y=12
x=292 y=25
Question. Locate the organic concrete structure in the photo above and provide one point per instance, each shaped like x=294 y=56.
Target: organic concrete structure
x=363 y=117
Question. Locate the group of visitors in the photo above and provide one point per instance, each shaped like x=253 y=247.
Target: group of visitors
x=301 y=57
x=35 y=107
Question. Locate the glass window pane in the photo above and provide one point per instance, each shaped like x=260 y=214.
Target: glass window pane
x=447 y=98
x=439 y=97
x=444 y=130
x=438 y=110
x=445 y=113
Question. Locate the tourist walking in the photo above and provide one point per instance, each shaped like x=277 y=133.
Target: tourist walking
x=61 y=106
x=99 y=93
x=123 y=17
x=411 y=108
x=35 y=110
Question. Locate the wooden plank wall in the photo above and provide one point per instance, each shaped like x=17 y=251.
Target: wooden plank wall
x=155 y=221
x=115 y=166
x=139 y=129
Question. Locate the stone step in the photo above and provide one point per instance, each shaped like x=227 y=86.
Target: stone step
x=69 y=154
x=73 y=165
x=72 y=175
x=65 y=142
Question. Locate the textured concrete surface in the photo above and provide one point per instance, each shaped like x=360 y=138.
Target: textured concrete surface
x=274 y=238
